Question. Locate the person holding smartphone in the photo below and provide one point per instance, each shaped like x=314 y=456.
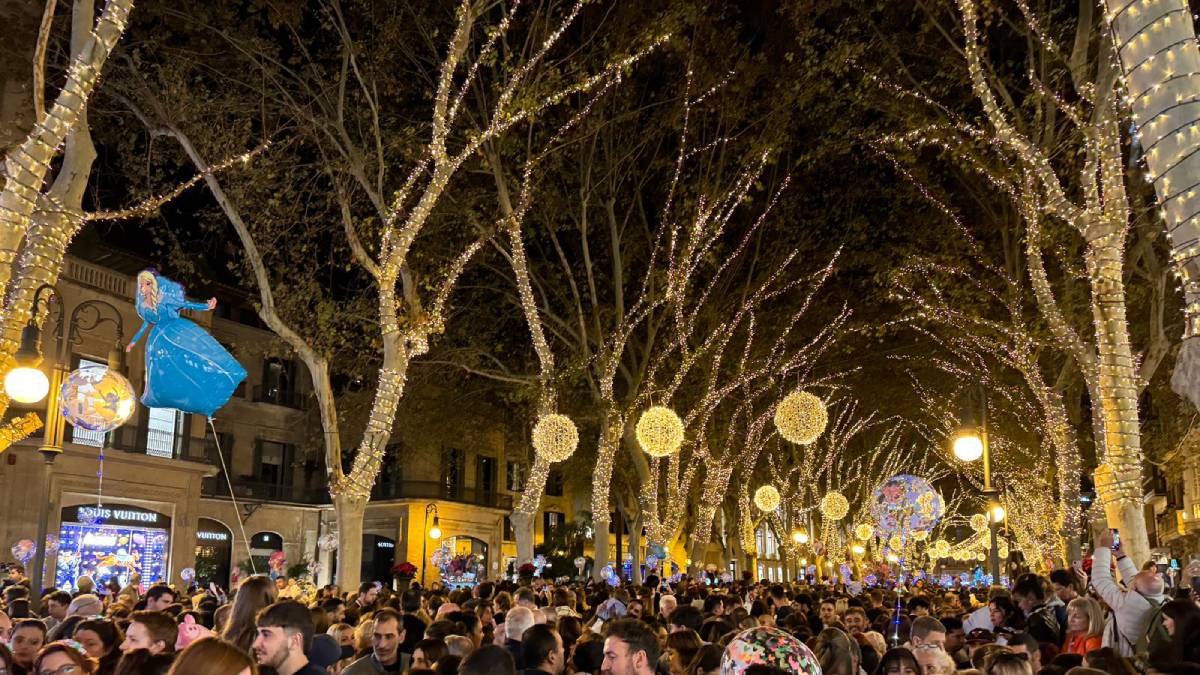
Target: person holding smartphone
x=1132 y=607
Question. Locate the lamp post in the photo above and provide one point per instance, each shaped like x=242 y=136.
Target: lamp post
x=970 y=445
x=85 y=317
x=434 y=533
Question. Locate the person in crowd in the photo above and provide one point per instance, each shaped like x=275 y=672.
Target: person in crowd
x=63 y=658
x=956 y=641
x=1132 y=607
x=1109 y=660
x=982 y=617
x=630 y=648
x=898 y=661
x=156 y=632
x=834 y=652
x=254 y=595
x=1005 y=616
x=142 y=662
x=516 y=621
x=1007 y=663
x=666 y=605
x=1181 y=619
x=1085 y=626
x=325 y=653
x=927 y=630
x=933 y=660
x=686 y=617
x=159 y=597
x=213 y=656
x=1029 y=595
x=6 y=660
x=28 y=636
x=487 y=660
x=1025 y=643
x=542 y=650
x=285 y=633
x=56 y=608
x=428 y=652
x=6 y=625
x=335 y=609
x=364 y=602
x=101 y=639
x=680 y=647
x=387 y=634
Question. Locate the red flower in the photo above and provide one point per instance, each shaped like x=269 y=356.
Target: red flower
x=526 y=570
x=404 y=570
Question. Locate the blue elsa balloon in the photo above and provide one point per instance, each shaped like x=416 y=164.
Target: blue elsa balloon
x=186 y=368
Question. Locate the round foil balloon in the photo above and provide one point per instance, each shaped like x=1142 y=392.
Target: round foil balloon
x=906 y=504
x=96 y=398
x=23 y=551
x=187 y=574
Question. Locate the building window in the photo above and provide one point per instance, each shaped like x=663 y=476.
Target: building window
x=554 y=483
x=452 y=472
x=162 y=431
x=552 y=520
x=515 y=476
x=509 y=535
x=272 y=462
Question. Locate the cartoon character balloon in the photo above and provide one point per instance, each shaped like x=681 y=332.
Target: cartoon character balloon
x=276 y=562
x=186 y=368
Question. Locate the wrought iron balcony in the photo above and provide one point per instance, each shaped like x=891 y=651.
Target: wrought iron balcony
x=432 y=489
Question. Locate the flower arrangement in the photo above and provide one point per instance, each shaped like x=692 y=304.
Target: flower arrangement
x=526 y=570
x=404 y=570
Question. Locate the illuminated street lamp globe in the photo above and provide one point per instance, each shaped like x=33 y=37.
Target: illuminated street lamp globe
x=800 y=537
x=659 y=431
x=767 y=498
x=968 y=447
x=998 y=513
x=801 y=417
x=26 y=385
x=555 y=437
x=858 y=549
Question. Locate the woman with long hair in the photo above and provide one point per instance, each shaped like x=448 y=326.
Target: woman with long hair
x=100 y=639
x=681 y=649
x=1085 y=626
x=254 y=594
x=61 y=654
x=832 y=649
x=898 y=661
x=213 y=656
x=1182 y=621
x=1110 y=661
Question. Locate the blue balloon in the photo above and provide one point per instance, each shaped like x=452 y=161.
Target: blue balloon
x=186 y=368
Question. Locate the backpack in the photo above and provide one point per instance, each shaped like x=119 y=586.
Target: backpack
x=1156 y=642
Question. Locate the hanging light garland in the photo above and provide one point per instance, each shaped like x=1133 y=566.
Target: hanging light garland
x=835 y=506
x=660 y=431
x=555 y=437
x=801 y=417
x=766 y=498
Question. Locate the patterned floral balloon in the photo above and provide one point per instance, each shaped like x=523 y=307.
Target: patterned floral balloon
x=906 y=504
x=23 y=551
x=97 y=399
x=770 y=647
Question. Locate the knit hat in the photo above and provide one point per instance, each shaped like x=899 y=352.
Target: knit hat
x=85 y=605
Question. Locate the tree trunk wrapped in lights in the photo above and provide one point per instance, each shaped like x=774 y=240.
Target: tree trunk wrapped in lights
x=1155 y=41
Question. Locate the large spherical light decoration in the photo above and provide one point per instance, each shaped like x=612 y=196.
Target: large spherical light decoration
x=864 y=531
x=835 y=506
x=941 y=548
x=895 y=542
x=555 y=437
x=766 y=498
x=97 y=398
x=660 y=431
x=979 y=522
x=801 y=417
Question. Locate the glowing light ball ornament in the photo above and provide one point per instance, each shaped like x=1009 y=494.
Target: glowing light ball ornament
x=864 y=531
x=904 y=505
x=979 y=522
x=941 y=548
x=660 y=431
x=920 y=535
x=767 y=498
x=835 y=506
x=555 y=437
x=97 y=398
x=801 y=417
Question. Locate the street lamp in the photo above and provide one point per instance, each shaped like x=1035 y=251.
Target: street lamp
x=800 y=537
x=27 y=383
x=434 y=533
x=970 y=445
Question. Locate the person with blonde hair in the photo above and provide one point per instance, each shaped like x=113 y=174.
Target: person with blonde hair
x=213 y=656
x=1007 y=663
x=1085 y=626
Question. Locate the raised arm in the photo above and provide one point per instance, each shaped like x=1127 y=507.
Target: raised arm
x=200 y=306
x=137 y=336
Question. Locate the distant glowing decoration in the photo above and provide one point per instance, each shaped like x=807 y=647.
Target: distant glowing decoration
x=186 y=368
x=864 y=531
x=327 y=542
x=555 y=437
x=920 y=535
x=906 y=504
x=858 y=549
x=941 y=548
x=801 y=417
x=660 y=431
x=767 y=498
x=895 y=542
x=188 y=575
x=979 y=522
x=97 y=398
x=51 y=543
x=835 y=506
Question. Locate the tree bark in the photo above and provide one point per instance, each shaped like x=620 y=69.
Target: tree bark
x=610 y=442
x=349 y=510
x=523 y=530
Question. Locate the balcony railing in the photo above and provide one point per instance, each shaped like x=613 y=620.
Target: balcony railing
x=431 y=489
x=277 y=396
x=259 y=491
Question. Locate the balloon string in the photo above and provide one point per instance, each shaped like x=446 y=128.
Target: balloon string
x=237 y=510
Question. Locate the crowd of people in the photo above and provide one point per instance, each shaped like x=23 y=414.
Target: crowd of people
x=1069 y=623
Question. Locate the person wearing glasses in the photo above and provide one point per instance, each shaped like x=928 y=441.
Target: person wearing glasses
x=64 y=657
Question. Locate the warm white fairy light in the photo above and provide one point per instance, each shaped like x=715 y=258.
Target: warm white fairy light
x=555 y=437
x=864 y=531
x=766 y=498
x=835 y=506
x=659 y=431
